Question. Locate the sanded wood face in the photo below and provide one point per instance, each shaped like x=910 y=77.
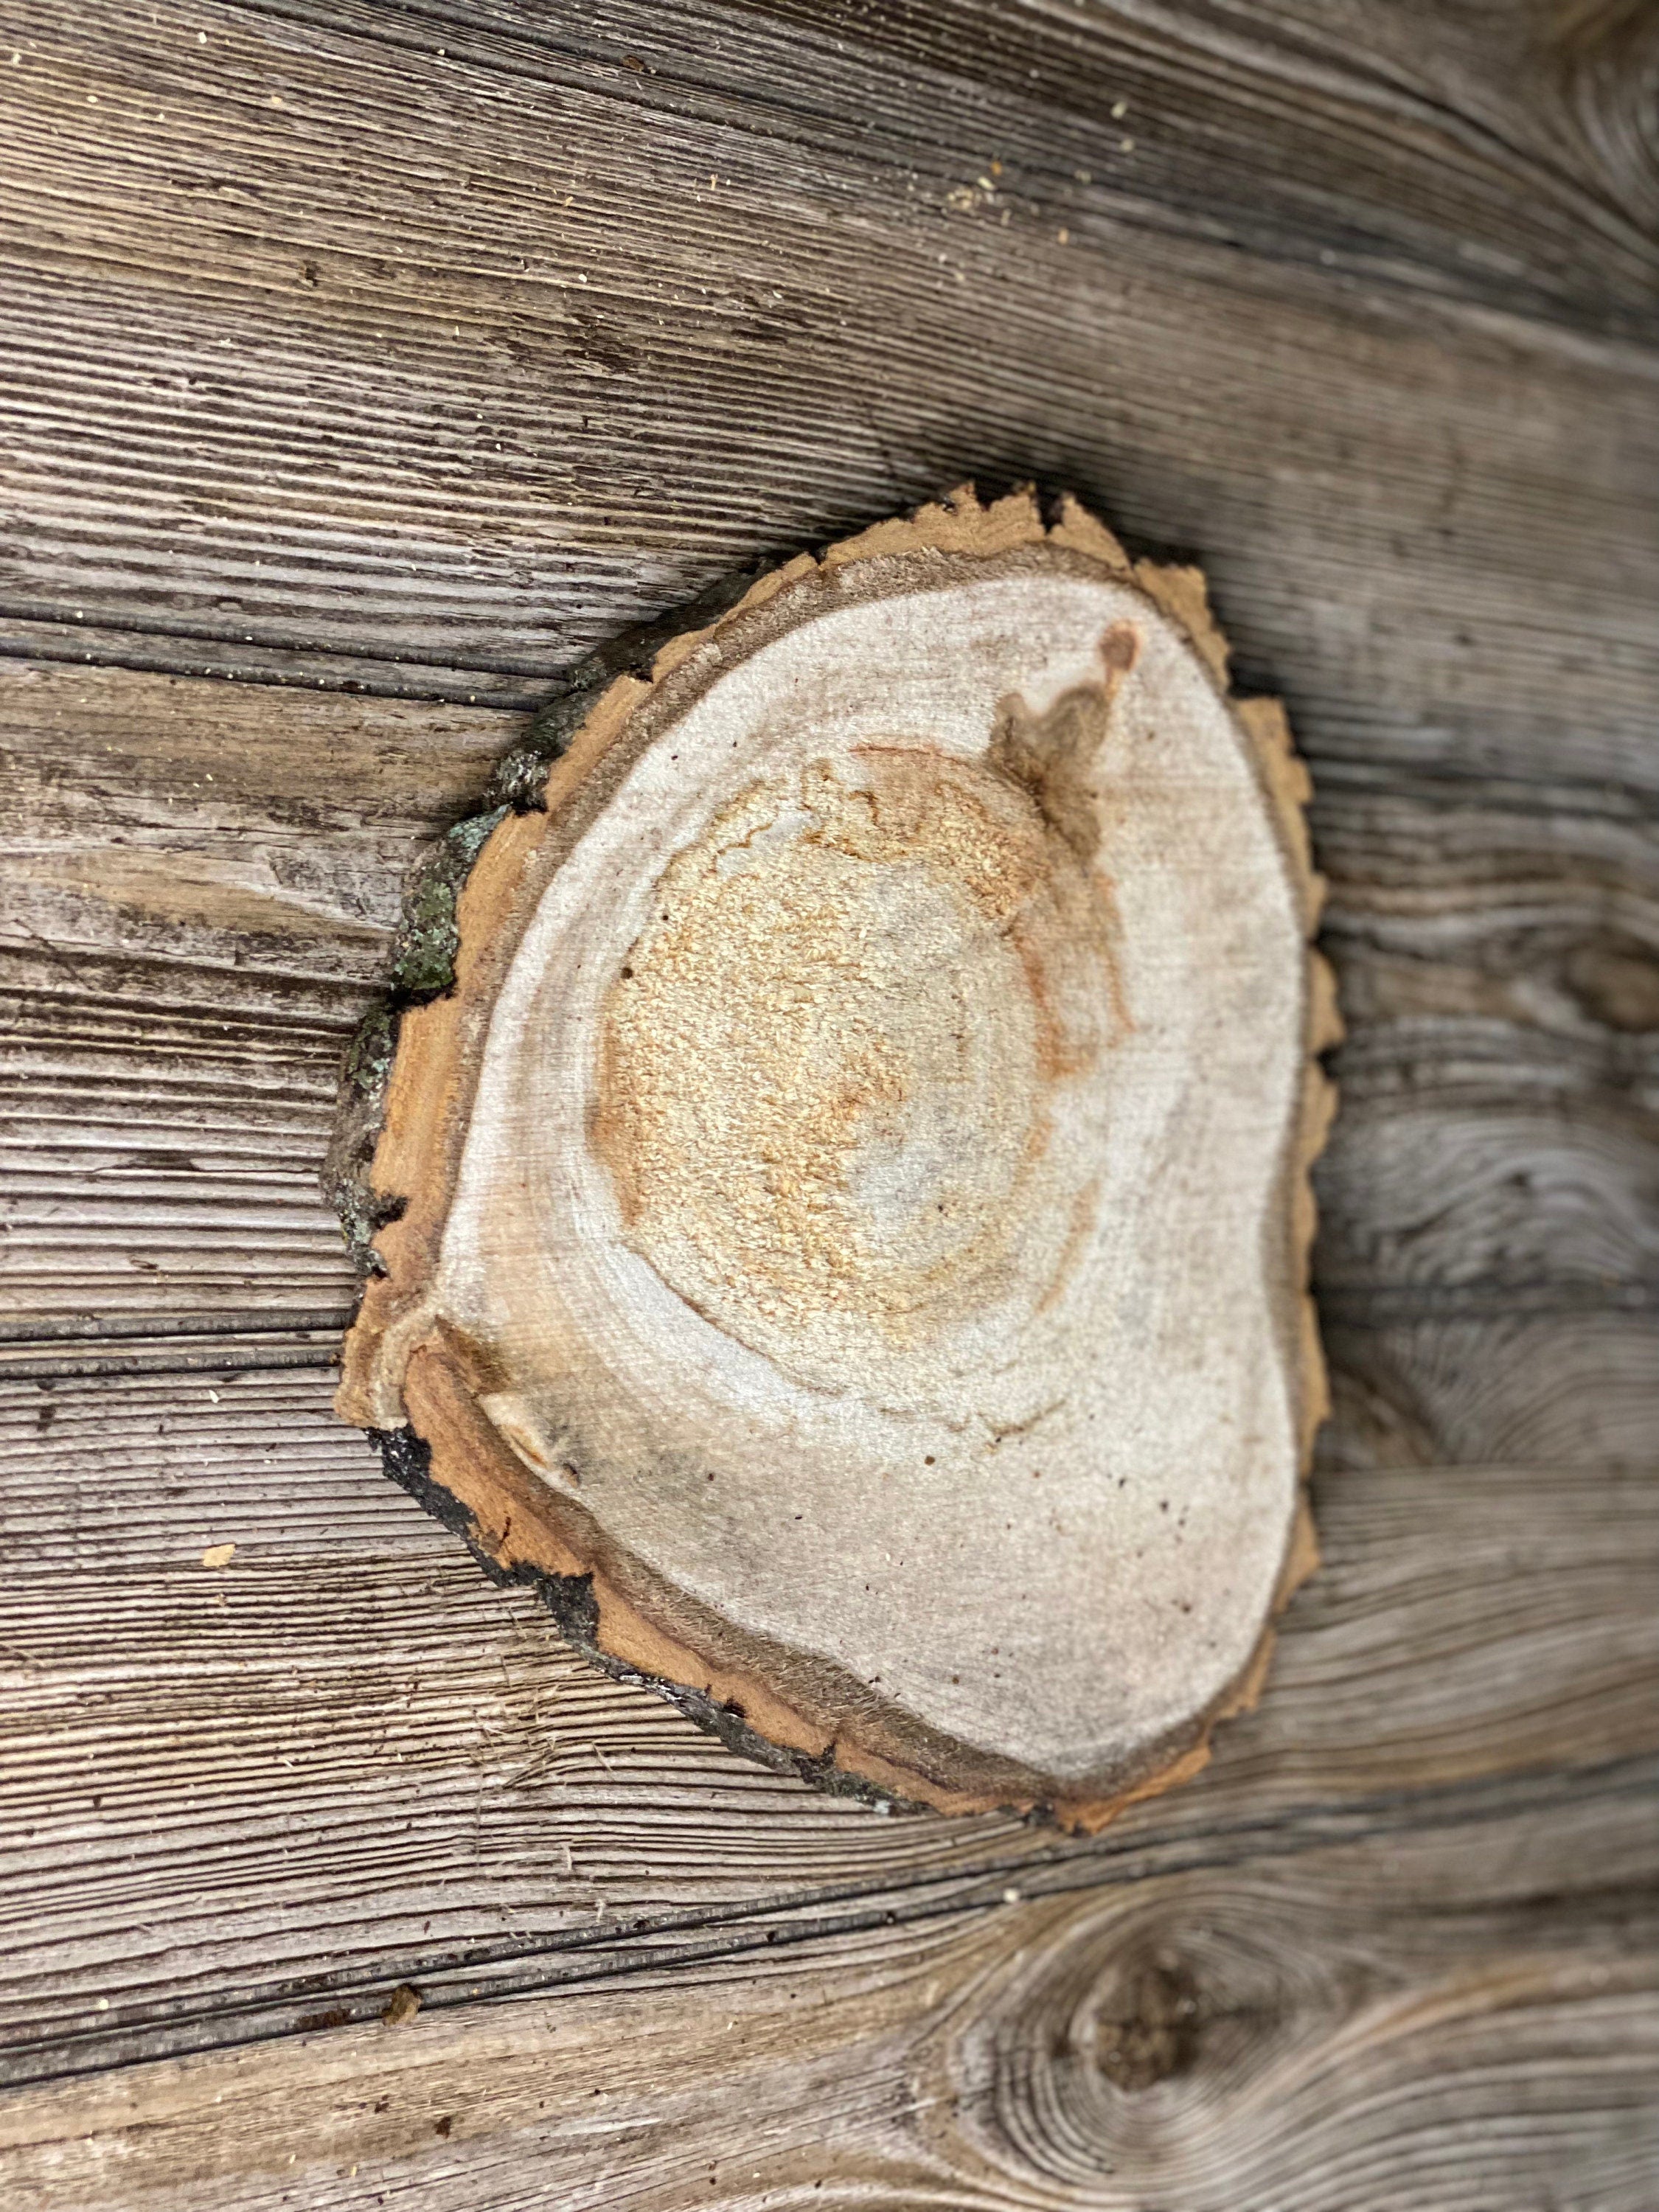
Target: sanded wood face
x=870 y=1232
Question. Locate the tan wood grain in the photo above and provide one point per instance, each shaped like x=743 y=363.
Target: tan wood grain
x=1018 y=791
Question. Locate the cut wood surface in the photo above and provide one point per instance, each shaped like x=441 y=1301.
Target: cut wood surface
x=918 y=957
x=386 y=361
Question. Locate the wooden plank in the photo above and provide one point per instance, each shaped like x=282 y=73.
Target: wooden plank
x=164 y=650
x=1554 y=1385
x=1365 y=332
x=345 y=1759
x=234 y=828
x=203 y=918
x=1457 y=2018
x=392 y=357
x=1434 y=138
x=203 y=883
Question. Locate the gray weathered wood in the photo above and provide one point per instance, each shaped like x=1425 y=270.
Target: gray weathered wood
x=187 y=959
x=345 y=1759
x=521 y=371
x=390 y=358
x=1448 y=2021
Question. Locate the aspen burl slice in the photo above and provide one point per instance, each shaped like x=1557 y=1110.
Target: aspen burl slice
x=853 y=1201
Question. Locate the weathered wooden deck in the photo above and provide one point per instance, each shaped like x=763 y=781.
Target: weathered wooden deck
x=367 y=364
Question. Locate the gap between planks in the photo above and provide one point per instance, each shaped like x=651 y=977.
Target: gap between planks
x=1385 y=2021
x=630 y=1949
x=1474 y=1632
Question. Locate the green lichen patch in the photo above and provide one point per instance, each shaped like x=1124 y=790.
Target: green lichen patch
x=423 y=958
x=348 y=1182
x=521 y=778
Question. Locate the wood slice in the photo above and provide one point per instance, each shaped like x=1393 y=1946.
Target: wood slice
x=854 y=1202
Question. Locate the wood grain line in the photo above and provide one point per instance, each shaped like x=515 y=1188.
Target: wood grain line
x=251 y=1322
x=229 y=1361
x=41 y=632
x=129 y=2037
x=1441 y=2021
